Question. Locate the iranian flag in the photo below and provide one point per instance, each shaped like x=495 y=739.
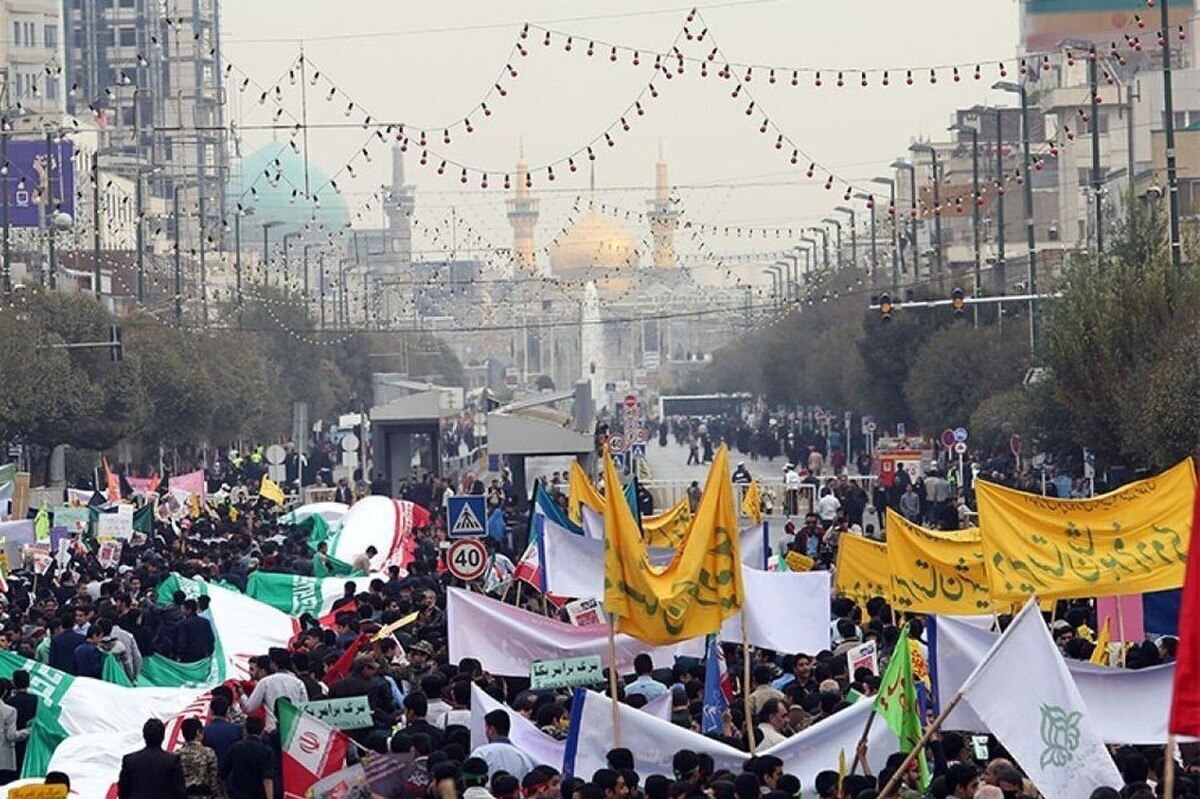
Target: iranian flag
x=312 y=749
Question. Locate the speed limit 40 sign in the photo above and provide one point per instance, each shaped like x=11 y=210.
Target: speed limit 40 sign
x=467 y=559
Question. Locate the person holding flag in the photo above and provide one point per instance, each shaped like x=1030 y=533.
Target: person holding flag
x=896 y=703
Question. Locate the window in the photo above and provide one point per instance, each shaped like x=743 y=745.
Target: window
x=50 y=36
x=127 y=37
x=128 y=3
x=29 y=33
x=16 y=36
x=51 y=88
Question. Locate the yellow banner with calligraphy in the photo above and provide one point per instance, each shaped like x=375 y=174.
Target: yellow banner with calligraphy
x=580 y=491
x=1129 y=541
x=862 y=570
x=936 y=571
x=668 y=528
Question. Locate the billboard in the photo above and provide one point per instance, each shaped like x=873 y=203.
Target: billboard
x=1046 y=23
x=31 y=168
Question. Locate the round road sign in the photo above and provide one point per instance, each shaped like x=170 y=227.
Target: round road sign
x=467 y=559
x=947 y=437
x=960 y=448
x=350 y=442
x=617 y=443
x=276 y=454
x=870 y=427
x=960 y=434
x=631 y=400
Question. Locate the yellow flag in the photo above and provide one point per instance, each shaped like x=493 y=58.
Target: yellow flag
x=752 y=502
x=701 y=586
x=194 y=506
x=862 y=569
x=1100 y=653
x=268 y=490
x=1129 y=541
x=581 y=491
x=668 y=528
x=936 y=571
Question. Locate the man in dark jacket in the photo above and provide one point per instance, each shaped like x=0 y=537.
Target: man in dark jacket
x=249 y=767
x=64 y=643
x=151 y=773
x=194 y=635
x=89 y=660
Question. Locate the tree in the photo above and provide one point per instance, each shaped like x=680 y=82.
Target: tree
x=957 y=369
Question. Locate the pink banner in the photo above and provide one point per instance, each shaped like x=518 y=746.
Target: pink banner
x=192 y=482
x=1128 y=624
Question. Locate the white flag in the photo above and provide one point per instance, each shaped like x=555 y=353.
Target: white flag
x=1024 y=694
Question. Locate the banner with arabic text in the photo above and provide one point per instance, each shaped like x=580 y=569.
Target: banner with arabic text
x=1129 y=541
x=862 y=570
x=936 y=571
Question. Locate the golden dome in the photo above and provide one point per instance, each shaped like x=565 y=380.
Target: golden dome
x=594 y=242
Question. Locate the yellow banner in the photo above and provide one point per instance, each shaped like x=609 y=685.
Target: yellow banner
x=581 y=491
x=1129 y=541
x=668 y=528
x=752 y=502
x=701 y=586
x=862 y=571
x=936 y=571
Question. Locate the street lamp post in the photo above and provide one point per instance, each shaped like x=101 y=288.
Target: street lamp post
x=773 y=272
x=921 y=147
x=1030 y=239
x=901 y=164
x=266 y=228
x=812 y=257
x=842 y=209
x=824 y=243
x=295 y=234
x=891 y=184
x=975 y=201
x=793 y=273
x=837 y=224
x=870 y=199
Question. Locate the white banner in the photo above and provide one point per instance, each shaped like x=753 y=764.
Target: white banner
x=523 y=733
x=817 y=748
x=653 y=741
x=507 y=639
x=1108 y=693
x=785 y=611
x=1024 y=693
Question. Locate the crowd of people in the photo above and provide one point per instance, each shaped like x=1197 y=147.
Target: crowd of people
x=420 y=701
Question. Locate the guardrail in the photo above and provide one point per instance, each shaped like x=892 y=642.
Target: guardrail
x=781 y=501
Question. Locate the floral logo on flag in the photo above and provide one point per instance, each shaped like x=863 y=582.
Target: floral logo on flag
x=1060 y=734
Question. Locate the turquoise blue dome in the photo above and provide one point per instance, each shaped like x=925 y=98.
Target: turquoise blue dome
x=273 y=200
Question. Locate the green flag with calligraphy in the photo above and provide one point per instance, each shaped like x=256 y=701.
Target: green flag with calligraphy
x=896 y=703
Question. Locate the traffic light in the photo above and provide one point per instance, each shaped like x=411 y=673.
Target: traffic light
x=885 y=307
x=114 y=344
x=958 y=299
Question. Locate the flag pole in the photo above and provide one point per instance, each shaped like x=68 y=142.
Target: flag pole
x=749 y=720
x=865 y=733
x=912 y=755
x=612 y=677
x=1169 y=767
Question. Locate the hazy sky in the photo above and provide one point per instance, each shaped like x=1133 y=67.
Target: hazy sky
x=427 y=63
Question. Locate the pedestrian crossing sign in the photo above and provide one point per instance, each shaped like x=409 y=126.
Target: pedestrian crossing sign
x=466 y=515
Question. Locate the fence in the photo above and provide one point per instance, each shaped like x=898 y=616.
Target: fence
x=775 y=494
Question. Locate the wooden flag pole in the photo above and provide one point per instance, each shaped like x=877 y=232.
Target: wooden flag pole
x=749 y=720
x=912 y=755
x=1169 y=767
x=612 y=677
x=866 y=731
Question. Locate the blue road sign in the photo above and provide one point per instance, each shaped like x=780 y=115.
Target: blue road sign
x=619 y=461
x=638 y=450
x=33 y=166
x=467 y=516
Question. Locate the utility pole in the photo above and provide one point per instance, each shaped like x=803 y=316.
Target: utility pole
x=96 y=224
x=1169 y=112
x=5 y=134
x=237 y=259
x=1001 y=267
x=178 y=260
x=1030 y=233
x=140 y=235
x=1097 y=175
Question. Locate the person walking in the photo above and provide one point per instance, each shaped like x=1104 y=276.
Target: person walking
x=151 y=773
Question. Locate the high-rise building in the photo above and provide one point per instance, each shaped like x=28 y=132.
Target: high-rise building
x=523 y=216
x=31 y=57
x=664 y=217
x=149 y=72
x=399 y=204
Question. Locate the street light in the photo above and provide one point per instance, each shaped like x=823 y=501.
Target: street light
x=922 y=147
x=824 y=242
x=775 y=279
x=1030 y=240
x=975 y=202
x=842 y=209
x=891 y=184
x=295 y=234
x=266 y=228
x=900 y=164
x=837 y=223
x=812 y=258
x=870 y=200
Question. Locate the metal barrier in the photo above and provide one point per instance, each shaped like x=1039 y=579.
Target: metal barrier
x=775 y=494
